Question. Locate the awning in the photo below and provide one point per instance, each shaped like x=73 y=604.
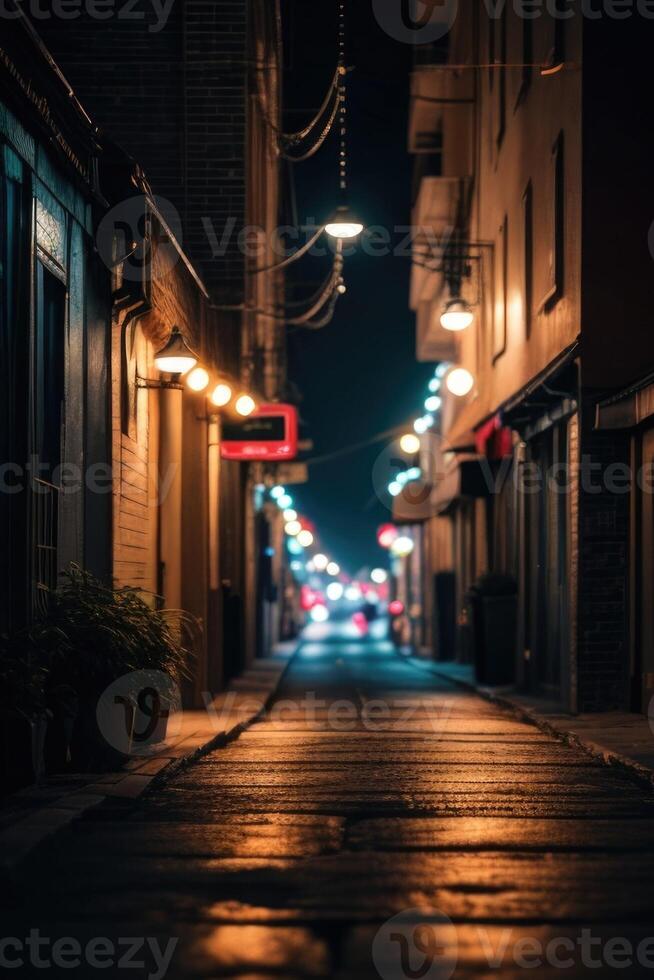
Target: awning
x=465 y=478
x=494 y=440
x=628 y=408
x=549 y=398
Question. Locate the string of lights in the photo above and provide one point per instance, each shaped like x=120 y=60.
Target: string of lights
x=342 y=99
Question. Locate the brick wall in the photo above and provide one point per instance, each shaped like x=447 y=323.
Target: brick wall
x=175 y=99
x=603 y=570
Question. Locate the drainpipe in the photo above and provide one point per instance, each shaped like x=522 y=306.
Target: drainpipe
x=170 y=497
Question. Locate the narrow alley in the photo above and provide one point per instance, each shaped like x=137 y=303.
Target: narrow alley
x=372 y=790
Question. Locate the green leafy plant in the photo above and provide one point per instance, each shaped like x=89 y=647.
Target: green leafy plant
x=93 y=633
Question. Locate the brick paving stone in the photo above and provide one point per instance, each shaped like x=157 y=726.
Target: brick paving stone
x=283 y=854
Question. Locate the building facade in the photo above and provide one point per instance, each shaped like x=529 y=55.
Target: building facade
x=514 y=185
x=55 y=329
x=165 y=174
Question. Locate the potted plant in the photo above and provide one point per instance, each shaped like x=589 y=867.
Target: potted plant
x=93 y=638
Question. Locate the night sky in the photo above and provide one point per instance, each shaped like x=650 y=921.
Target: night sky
x=358 y=376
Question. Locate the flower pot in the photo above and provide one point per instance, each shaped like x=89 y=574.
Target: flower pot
x=102 y=735
x=150 y=721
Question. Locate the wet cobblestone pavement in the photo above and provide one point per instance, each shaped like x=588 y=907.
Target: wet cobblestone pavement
x=372 y=789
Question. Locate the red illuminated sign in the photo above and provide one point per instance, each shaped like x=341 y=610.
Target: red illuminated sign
x=269 y=433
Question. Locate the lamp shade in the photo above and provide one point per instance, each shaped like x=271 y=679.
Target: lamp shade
x=456 y=315
x=176 y=357
x=344 y=223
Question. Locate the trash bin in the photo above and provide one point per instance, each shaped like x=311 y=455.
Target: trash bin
x=492 y=605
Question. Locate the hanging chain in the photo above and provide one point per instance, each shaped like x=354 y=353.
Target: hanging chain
x=342 y=104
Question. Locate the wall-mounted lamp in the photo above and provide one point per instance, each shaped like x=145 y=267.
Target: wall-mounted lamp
x=176 y=357
x=456 y=315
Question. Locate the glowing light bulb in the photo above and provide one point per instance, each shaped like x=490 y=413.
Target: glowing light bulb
x=293 y=528
x=460 y=382
x=321 y=562
x=319 y=614
x=245 y=405
x=421 y=425
x=305 y=538
x=176 y=357
x=197 y=379
x=402 y=546
x=456 y=315
x=335 y=591
x=290 y=515
x=378 y=576
x=333 y=569
x=433 y=403
x=395 y=488
x=410 y=444
x=221 y=395
x=344 y=224
x=434 y=385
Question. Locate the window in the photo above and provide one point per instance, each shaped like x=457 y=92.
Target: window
x=528 y=257
x=501 y=291
x=555 y=227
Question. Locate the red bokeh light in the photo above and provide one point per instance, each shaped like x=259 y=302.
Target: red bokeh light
x=396 y=608
x=360 y=622
x=386 y=535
